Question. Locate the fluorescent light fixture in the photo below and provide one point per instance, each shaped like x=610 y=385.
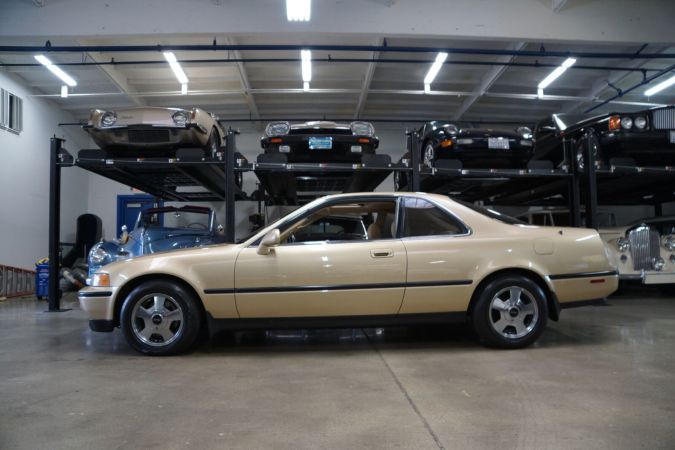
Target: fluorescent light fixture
x=42 y=59
x=298 y=10
x=64 y=91
x=435 y=67
x=305 y=86
x=427 y=88
x=183 y=88
x=661 y=86
x=569 y=62
x=306 y=56
x=177 y=69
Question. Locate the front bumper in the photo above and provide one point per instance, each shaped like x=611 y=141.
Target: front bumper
x=149 y=136
x=646 y=147
x=98 y=303
x=300 y=152
x=650 y=277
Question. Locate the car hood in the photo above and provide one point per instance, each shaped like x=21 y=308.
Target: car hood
x=322 y=124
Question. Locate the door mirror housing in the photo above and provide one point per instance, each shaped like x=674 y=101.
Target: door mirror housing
x=271 y=239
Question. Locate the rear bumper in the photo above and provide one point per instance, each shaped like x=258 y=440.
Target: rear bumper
x=581 y=287
x=299 y=152
x=516 y=157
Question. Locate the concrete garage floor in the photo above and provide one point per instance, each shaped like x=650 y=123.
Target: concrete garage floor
x=600 y=378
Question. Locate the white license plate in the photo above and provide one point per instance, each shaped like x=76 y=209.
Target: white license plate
x=499 y=143
x=672 y=137
x=320 y=143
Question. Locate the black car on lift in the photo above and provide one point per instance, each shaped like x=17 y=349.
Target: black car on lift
x=647 y=137
x=320 y=141
x=475 y=148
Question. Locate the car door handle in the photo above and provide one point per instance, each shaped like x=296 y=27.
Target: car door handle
x=381 y=253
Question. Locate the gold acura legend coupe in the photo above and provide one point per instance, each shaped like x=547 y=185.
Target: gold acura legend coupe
x=423 y=258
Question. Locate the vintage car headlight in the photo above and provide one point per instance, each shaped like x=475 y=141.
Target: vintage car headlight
x=525 y=132
x=100 y=279
x=659 y=263
x=626 y=123
x=181 y=118
x=640 y=122
x=362 y=128
x=451 y=129
x=98 y=254
x=623 y=244
x=108 y=119
x=277 y=128
x=670 y=243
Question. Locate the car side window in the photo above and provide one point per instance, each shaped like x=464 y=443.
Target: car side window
x=423 y=218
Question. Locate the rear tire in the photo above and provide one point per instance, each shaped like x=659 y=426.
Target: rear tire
x=429 y=155
x=579 y=153
x=160 y=318
x=511 y=312
x=213 y=145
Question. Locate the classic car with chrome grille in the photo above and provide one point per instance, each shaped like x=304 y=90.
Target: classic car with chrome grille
x=320 y=141
x=647 y=137
x=154 y=132
x=424 y=259
x=156 y=230
x=644 y=250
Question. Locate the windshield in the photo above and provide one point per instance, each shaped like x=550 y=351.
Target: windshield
x=176 y=219
x=492 y=214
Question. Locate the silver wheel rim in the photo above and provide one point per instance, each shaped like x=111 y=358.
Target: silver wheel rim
x=157 y=320
x=429 y=155
x=513 y=312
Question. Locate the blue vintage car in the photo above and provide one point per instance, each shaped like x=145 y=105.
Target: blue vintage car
x=159 y=230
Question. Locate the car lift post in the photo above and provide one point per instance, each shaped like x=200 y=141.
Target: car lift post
x=230 y=185
x=54 y=224
x=415 y=161
x=574 y=196
x=591 y=183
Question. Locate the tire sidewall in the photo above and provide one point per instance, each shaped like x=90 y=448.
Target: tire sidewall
x=481 y=312
x=191 y=315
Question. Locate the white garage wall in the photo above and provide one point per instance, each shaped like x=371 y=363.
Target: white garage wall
x=24 y=180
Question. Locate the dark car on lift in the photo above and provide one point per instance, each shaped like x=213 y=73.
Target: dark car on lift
x=320 y=141
x=475 y=148
x=647 y=137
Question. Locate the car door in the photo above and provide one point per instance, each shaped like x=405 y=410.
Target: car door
x=325 y=278
x=441 y=261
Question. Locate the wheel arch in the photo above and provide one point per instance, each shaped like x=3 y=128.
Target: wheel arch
x=130 y=285
x=551 y=298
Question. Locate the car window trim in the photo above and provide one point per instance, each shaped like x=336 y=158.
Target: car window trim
x=399 y=232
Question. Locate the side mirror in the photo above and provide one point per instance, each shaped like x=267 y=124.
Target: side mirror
x=271 y=239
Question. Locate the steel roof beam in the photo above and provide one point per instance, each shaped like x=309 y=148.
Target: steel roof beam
x=370 y=71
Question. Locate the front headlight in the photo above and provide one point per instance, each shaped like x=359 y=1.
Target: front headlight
x=659 y=263
x=525 y=132
x=181 y=118
x=362 y=128
x=108 y=119
x=623 y=244
x=98 y=255
x=640 y=122
x=100 y=279
x=670 y=243
x=626 y=123
x=277 y=128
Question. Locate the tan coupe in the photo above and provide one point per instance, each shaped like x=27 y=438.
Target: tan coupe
x=150 y=131
x=425 y=258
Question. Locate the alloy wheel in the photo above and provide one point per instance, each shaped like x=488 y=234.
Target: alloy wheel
x=513 y=312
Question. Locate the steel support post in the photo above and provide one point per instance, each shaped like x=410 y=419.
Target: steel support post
x=54 y=224
x=230 y=184
x=573 y=193
x=591 y=184
x=415 y=161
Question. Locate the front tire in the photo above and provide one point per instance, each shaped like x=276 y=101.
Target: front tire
x=579 y=153
x=429 y=155
x=160 y=318
x=511 y=312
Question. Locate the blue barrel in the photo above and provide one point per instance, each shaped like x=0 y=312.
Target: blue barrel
x=42 y=280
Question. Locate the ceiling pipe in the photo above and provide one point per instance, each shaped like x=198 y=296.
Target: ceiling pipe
x=342 y=48
x=647 y=80
x=337 y=60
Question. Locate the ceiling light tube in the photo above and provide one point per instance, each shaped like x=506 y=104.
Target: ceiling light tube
x=298 y=10
x=177 y=69
x=435 y=67
x=569 y=62
x=306 y=56
x=42 y=59
x=661 y=86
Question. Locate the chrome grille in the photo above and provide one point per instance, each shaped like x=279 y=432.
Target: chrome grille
x=664 y=119
x=644 y=247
